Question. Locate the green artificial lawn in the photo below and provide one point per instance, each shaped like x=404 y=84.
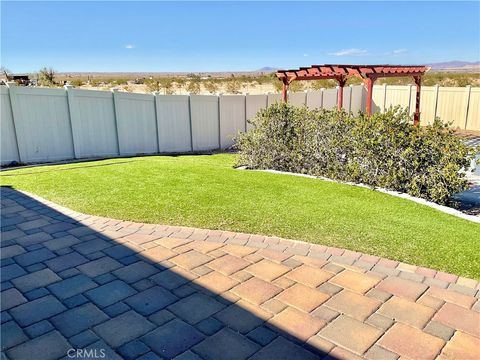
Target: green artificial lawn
x=207 y=192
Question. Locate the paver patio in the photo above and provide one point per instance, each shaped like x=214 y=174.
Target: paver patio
x=141 y=291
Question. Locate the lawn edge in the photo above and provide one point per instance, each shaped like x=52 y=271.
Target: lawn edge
x=442 y=208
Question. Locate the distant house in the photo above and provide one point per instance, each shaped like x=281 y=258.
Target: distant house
x=20 y=79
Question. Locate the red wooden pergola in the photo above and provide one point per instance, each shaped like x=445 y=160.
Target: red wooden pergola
x=368 y=73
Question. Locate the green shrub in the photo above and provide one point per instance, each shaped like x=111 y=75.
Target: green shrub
x=382 y=150
x=46 y=76
x=211 y=87
x=193 y=86
x=76 y=82
x=233 y=86
x=153 y=85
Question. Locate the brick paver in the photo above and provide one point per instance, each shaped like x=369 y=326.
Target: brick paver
x=351 y=334
x=411 y=343
x=74 y=281
x=354 y=305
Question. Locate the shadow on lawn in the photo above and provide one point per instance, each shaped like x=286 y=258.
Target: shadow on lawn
x=68 y=287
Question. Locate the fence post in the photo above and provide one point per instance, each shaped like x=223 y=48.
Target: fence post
x=115 y=94
x=469 y=91
x=219 y=123
x=321 y=97
x=384 y=106
x=350 y=101
x=68 y=89
x=410 y=87
x=155 y=109
x=11 y=93
x=190 y=119
x=245 y=102
x=338 y=92
x=437 y=89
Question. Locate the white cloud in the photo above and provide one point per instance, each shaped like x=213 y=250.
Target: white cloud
x=129 y=46
x=305 y=55
x=350 y=52
x=396 y=52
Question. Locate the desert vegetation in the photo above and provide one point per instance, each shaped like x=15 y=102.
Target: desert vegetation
x=226 y=83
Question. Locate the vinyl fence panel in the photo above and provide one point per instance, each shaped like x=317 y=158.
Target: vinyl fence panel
x=330 y=98
x=315 y=99
x=297 y=99
x=347 y=98
x=254 y=104
x=173 y=117
x=205 y=122
x=136 y=123
x=399 y=95
x=93 y=123
x=42 y=124
x=473 y=117
x=8 y=138
x=452 y=105
x=232 y=118
x=428 y=104
x=274 y=98
x=357 y=101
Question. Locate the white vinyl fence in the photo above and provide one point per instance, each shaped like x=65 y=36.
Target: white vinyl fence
x=459 y=105
x=43 y=125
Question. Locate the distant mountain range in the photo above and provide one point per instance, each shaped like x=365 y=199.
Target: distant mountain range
x=455 y=65
x=267 y=69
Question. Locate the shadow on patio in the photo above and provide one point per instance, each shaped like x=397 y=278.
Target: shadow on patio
x=136 y=293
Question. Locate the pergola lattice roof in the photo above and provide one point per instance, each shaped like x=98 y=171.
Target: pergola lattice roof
x=333 y=71
x=368 y=73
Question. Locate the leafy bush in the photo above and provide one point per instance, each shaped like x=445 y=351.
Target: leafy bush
x=382 y=150
x=211 y=87
x=193 y=86
x=233 y=86
x=76 y=82
x=46 y=76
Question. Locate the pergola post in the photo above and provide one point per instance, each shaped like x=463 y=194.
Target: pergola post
x=285 y=90
x=416 y=116
x=341 y=83
x=369 y=85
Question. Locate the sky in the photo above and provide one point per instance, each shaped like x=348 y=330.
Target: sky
x=233 y=36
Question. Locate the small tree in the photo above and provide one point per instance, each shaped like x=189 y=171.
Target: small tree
x=233 y=86
x=193 y=86
x=167 y=85
x=153 y=85
x=296 y=86
x=7 y=73
x=211 y=87
x=46 y=76
x=76 y=82
x=320 y=84
x=277 y=84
